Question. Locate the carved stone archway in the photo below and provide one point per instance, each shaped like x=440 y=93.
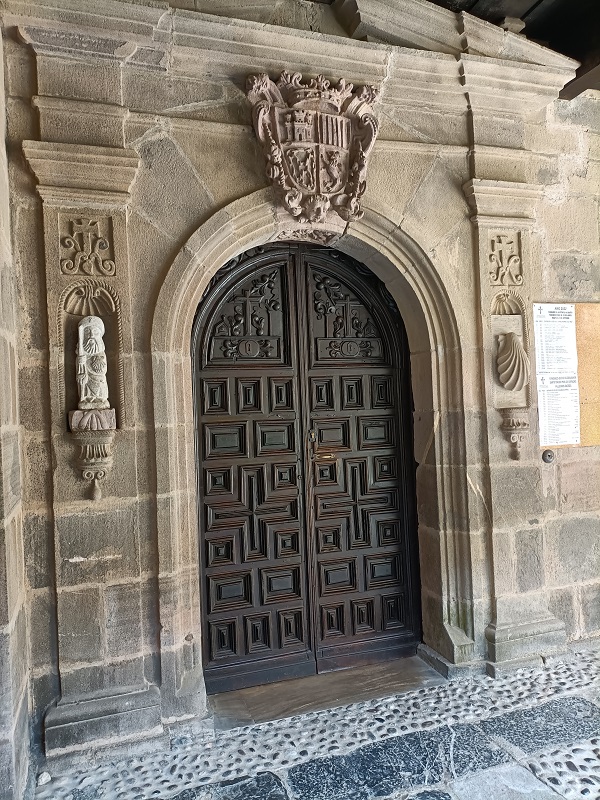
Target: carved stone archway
x=451 y=632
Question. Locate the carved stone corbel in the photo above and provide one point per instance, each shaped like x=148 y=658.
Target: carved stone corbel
x=95 y=456
x=317 y=138
x=515 y=426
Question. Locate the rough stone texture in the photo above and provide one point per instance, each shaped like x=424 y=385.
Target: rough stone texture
x=140 y=116
x=431 y=743
x=14 y=649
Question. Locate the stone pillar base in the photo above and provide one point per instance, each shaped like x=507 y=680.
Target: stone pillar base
x=102 y=720
x=514 y=645
x=447 y=668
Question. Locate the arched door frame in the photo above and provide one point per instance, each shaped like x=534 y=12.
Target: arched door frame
x=442 y=449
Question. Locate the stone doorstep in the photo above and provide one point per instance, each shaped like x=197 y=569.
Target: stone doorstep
x=75 y=726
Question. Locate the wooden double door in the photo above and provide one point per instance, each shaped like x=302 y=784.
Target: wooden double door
x=305 y=469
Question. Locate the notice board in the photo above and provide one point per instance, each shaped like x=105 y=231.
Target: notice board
x=567 y=344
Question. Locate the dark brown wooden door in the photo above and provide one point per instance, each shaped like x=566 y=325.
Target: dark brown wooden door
x=307 y=524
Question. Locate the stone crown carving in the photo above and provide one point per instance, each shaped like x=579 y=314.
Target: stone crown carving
x=316 y=138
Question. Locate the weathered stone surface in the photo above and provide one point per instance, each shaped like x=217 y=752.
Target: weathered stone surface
x=135 y=114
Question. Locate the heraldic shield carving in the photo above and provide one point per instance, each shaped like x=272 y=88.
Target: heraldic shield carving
x=316 y=138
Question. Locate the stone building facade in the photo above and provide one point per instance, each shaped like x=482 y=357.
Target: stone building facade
x=132 y=174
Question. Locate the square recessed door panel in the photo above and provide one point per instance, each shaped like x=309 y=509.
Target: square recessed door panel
x=351 y=390
x=292 y=632
x=230 y=591
x=382 y=571
x=376 y=432
x=280 y=584
x=258 y=633
x=223 y=639
x=321 y=392
x=274 y=438
x=363 y=616
x=215 y=397
x=333 y=621
x=249 y=395
x=338 y=576
x=225 y=440
x=281 y=395
x=332 y=435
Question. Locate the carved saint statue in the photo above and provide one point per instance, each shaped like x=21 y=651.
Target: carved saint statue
x=91 y=364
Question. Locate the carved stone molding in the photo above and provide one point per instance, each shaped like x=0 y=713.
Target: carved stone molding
x=317 y=138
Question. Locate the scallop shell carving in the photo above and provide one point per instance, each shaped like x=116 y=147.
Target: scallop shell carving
x=512 y=362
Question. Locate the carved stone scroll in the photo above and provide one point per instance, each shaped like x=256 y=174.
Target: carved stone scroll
x=317 y=138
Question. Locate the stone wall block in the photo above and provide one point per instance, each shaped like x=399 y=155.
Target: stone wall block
x=573 y=548
x=37 y=477
x=80 y=122
x=505 y=558
x=80 y=630
x=518 y=496
x=4 y=606
x=590 y=607
x=42 y=629
x=10 y=470
x=98 y=81
x=562 y=603
x=227 y=159
x=34 y=401
x=572 y=224
x=579 y=486
x=438 y=205
x=84 y=680
x=163 y=170
x=529 y=552
x=430 y=556
x=427 y=501
x=146 y=509
x=122 y=620
x=97 y=546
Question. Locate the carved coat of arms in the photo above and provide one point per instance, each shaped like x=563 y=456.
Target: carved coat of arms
x=316 y=138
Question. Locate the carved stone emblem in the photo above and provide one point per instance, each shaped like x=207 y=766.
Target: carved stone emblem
x=316 y=138
x=512 y=362
x=505 y=259
x=86 y=248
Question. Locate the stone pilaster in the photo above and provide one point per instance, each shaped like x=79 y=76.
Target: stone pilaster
x=105 y=694
x=522 y=629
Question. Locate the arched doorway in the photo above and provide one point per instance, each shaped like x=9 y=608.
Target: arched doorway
x=308 y=543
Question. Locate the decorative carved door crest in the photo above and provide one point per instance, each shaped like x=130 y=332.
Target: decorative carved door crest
x=316 y=139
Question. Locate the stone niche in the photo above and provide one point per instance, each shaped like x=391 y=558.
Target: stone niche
x=142 y=176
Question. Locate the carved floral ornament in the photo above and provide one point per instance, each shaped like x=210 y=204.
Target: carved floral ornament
x=317 y=138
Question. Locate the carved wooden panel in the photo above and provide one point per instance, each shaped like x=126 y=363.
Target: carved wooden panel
x=303 y=441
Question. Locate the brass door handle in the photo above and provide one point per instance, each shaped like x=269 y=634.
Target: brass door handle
x=325 y=457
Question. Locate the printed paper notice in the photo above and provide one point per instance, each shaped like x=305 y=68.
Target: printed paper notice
x=556 y=368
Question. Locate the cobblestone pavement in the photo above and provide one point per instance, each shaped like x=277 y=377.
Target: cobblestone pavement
x=534 y=734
